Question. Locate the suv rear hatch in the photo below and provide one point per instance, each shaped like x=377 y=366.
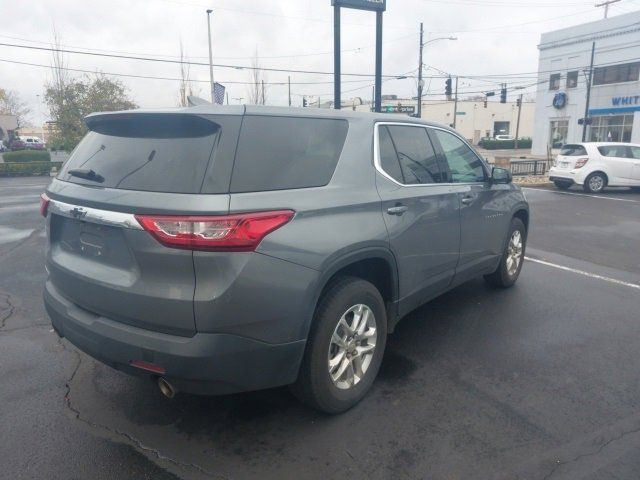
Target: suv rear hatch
x=571 y=154
x=129 y=164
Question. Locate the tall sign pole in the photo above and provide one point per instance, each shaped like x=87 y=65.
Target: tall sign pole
x=337 y=101
x=455 y=104
x=420 y=81
x=586 y=107
x=378 y=6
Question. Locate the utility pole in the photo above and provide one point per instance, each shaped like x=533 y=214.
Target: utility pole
x=420 y=81
x=606 y=7
x=586 y=107
x=227 y=98
x=455 y=104
x=213 y=100
x=289 y=83
x=263 y=98
x=518 y=121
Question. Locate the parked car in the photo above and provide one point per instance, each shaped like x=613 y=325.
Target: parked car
x=596 y=165
x=17 y=144
x=226 y=249
x=32 y=143
x=3 y=147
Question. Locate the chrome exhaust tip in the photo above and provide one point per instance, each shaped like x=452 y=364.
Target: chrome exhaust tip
x=166 y=388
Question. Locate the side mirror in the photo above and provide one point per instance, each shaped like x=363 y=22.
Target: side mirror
x=501 y=175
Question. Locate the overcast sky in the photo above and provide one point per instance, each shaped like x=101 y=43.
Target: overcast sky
x=494 y=37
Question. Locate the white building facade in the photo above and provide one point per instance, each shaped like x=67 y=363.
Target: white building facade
x=563 y=69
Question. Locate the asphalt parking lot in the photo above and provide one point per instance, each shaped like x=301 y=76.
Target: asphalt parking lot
x=536 y=382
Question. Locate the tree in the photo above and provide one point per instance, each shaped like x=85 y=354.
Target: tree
x=186 y=88
x=71 y=99
x=78 y=98
x=257 y=93
x=11 y=104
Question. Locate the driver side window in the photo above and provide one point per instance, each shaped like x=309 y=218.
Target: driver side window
x=464 y=164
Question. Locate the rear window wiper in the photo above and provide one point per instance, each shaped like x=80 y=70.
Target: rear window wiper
x=87 y=174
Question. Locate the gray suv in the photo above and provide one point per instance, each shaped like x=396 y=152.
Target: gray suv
x=226 y=249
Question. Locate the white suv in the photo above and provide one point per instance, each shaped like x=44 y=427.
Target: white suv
x=597 y=165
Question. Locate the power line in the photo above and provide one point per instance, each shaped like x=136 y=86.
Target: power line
x=185 y=62
x=153 y=77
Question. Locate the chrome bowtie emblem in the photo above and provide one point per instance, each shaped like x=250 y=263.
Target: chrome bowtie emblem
x=78 y=212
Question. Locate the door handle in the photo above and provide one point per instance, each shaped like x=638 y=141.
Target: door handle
x=397 y=210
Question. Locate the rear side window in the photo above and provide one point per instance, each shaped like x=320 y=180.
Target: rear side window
x=155 y=153
x=619 y=151
x=388 y=157
x=279 y=153
x=573 y=150
x=418 y=160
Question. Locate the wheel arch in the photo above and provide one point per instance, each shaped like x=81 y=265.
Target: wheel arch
x=376 y=265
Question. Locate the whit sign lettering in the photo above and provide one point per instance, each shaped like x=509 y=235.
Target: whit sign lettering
x=631 y=100
x=375 y=5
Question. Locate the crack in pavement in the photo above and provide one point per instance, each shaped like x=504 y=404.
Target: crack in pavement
x=6 y=298
x=590 y=454
x=132 y=440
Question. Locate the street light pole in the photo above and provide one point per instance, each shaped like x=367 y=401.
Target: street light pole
x=586 y=107
x=213 y=100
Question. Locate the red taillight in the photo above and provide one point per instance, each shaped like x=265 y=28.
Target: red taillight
x=581 y=162
x=148 y=366
x=44 y=204
x=237 y=233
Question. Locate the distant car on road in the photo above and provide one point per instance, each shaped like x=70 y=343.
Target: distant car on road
x=17 y=144
x=32 y=143
x=596 y=165
x=3 y=147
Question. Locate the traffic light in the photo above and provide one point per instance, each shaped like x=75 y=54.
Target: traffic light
x=304 y=101
x=503 y=94
x=447 y=88
x=518 y=102
x=485 y=102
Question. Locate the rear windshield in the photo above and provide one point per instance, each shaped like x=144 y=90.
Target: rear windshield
x=573 y=150
x=155 y=153
x=277 y=153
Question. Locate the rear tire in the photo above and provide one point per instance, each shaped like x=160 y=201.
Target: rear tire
x=512 y=259
x=595 y=182
x=331 y=346
x=560 y=185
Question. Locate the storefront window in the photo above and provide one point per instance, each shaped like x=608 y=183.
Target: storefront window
x=611 y=128
x=558 y=133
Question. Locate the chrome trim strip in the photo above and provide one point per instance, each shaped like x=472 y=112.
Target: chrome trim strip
x=94 y=215
x=378 y=166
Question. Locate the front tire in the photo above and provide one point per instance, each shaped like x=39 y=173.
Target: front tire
x=595 y=182
x=345 y=346
x=512 y=259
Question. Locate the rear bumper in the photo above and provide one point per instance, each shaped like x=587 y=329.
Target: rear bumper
x=574 y=176
x=207 y=363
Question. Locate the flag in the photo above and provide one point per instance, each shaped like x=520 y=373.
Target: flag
x=218 y=93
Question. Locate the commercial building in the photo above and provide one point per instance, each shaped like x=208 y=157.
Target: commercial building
x=8 y=124
x=563 y=70
x=474 y=120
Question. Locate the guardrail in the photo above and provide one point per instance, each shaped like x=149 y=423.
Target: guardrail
x=529 y=167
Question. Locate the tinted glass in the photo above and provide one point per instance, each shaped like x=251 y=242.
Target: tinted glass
x=277 y=153
x=156 y=153
x=635 y=152
x=417 y=157
x=573 y=150
x=619 y=151
x=388 y=157
x=464 y=164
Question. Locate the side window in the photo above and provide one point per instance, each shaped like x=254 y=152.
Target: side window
x=616 y=151
x=635 y=152
x=388 y=157
x=418 y=160
x=464 y=164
